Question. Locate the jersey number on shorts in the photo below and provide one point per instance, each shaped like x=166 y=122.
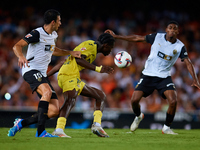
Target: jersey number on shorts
x=37 y=75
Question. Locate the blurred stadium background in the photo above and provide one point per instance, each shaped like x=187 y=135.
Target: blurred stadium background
x=87 y=19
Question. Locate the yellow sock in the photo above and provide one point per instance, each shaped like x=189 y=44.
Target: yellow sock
x=61 y=122
x=97 y=116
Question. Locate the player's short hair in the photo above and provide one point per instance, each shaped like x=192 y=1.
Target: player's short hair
x=50 y=15
x=173 y=22
x=106 y=38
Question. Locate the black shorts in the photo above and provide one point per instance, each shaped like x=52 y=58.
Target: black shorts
x=148 y=84
x=34 y=78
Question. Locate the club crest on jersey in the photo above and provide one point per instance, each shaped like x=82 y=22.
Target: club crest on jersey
x=28 y=36
x=83 y=49
x=174 y=51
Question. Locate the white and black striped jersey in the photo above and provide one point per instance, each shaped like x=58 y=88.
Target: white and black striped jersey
x=163 y=55
x=40 y=49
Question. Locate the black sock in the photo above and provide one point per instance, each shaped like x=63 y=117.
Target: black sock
x=169 y=119
x=136 y=110
x=42 y=115
x=30 y=120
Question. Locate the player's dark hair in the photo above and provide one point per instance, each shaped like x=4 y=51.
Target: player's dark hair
x=173 y=22
x=50 y=15
x=106 y=38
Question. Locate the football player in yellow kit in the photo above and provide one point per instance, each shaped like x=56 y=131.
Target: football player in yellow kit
x=72 y=86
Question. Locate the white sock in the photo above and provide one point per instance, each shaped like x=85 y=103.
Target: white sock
x=59 y=130
x=165 y=127
x=97 y=124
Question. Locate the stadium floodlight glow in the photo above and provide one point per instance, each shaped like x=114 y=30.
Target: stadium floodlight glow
x=7 y=96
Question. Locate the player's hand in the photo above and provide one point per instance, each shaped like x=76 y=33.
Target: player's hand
x=110 y=32
x=196 y=83
x=76 y=54
x=106 y=69
x=22 y=62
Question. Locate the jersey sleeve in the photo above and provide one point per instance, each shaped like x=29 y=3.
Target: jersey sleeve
x=183 y=53
x=150 y=38
x=32 y=37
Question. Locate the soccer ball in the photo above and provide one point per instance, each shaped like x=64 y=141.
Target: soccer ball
x=122 y=59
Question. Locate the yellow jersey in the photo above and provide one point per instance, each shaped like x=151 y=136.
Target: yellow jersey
x=70 y=68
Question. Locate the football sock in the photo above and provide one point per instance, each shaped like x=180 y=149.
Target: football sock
x=136 y=110
x=61 y=122
x=97 y=116
x=42 y=115
x=30 y=120
x=169 y=119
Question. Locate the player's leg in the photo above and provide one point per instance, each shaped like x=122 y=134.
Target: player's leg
x=171 y=96
x=69 y=102
x=135 y=99
x=40 y=84
x=46 y=92
x=100 y=99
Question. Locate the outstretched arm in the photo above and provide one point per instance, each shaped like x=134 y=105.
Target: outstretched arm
x=131 y=38
x=55 y=68
x=190 y=68
x=61 y=52
x=102 y=69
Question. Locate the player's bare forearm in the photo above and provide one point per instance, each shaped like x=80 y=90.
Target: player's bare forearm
x=22 y=61
x=62 y=52
x=55 y=69
x=18 y=48
x=130 y=38
x=191 y=70
x=82 y=62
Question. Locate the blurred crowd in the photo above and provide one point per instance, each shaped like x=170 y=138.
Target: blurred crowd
x=119 y=86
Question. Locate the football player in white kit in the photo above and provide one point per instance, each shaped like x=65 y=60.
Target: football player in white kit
x=165 y=50
x=41 y=46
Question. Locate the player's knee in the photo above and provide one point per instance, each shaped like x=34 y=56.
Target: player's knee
x=72 y=101
x=103 y=97
x=47 y=95
x=173 y=102
x=135 y=101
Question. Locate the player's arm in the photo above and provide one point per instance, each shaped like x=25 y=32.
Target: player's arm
x=22 y=61
x=32 y=37
x=130 y=38
x=62 y=52
x=191 y=70
x=55 y=68
x=102 y=69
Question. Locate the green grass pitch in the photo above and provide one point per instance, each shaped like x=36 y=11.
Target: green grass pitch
x=120 y=139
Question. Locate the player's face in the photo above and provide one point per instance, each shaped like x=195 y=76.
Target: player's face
x=107 y=49
x=57 y=23
x=172 y=30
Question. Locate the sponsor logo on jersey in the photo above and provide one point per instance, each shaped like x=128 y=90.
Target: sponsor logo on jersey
x=185 y=53
x=83 y=48
x=28 y=35
x=164 y=56
x=49 y=47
